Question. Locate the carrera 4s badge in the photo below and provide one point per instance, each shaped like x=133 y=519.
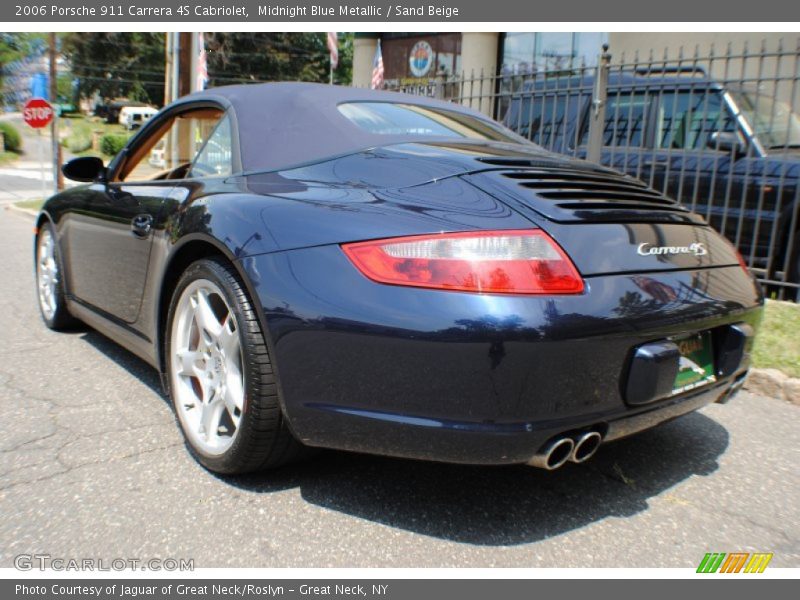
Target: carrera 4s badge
x=696 y=248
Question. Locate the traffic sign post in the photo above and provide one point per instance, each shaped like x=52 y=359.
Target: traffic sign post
x=41 y=163
x=38 y=113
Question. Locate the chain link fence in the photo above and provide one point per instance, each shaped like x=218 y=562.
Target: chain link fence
x=719 y=132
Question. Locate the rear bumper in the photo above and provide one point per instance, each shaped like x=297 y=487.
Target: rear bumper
x=475 y=379
x=492 y=443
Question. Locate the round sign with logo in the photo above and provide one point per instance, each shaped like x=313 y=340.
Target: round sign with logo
x=421 y=59
x=37 y=113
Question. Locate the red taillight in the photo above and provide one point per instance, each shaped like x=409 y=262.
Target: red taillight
x=739 y=257
x=742 y=261
x=524 y=261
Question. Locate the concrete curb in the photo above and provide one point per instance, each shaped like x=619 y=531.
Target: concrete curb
x=27 y=212
x=774 y=383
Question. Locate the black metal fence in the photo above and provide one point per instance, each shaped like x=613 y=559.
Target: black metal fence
x=719 y=132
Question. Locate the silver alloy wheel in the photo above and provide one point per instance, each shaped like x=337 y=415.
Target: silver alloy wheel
x=205 y=365
x=47 y=273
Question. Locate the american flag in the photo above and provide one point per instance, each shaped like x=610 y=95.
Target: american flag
x=202 y=64
x=377 y=69
x=333 y=48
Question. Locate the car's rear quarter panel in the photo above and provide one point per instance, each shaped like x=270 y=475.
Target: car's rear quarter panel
x=466 y=377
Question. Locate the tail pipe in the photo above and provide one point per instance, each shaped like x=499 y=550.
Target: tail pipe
x=553 y=454
x=586 y=444
x=576 y=448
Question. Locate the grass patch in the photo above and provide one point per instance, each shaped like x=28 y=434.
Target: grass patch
x=32 y=204
x=85 y=125
x=7 y=157
x=778 y=341
x=92 y=153
x=76 y=133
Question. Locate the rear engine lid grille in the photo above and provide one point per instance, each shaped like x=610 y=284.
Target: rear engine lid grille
x=550 y=162
x=590 y=194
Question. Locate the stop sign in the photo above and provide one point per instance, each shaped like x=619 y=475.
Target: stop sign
x=37 y=112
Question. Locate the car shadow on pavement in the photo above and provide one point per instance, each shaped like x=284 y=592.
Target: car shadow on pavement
x=125 y=359
x=491 y=506
x=498 y=506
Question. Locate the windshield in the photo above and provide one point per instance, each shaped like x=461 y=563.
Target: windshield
x=386 y=118
x=773 y=122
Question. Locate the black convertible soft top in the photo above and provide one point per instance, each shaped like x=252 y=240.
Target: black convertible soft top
x=287 y=124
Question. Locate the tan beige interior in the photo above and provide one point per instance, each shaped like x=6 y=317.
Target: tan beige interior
x=208 y=116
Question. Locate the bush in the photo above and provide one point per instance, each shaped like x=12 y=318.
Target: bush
x=13 y=141
x=111 y=144
x=77 y=143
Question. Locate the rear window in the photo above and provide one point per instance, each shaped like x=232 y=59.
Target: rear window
x=387 y=118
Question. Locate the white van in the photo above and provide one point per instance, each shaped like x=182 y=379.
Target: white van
x=133 y=117
x=158 y=155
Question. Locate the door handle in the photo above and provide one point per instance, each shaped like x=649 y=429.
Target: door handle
x=141 y=225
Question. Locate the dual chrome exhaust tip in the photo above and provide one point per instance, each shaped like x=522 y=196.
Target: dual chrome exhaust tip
x=559 y=450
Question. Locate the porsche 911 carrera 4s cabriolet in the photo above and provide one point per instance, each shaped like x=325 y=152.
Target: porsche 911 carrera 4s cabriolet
x=320 y=266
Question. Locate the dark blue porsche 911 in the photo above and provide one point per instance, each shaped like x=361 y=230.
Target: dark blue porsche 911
x=318 y=266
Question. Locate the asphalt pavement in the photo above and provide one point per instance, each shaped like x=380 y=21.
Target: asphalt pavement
x=92 y=465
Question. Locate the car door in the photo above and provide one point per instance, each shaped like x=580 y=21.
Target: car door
x=109 y=237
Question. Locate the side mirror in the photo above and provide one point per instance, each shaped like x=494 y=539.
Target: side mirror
x=85 y=169
x=727 y=141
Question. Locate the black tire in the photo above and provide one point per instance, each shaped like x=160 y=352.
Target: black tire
x=263 y=439
x=60 y=319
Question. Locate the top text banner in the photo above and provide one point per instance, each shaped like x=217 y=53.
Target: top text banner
x=260 y=11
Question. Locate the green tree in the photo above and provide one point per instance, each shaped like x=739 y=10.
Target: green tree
x=344 y=72
x=132 y=64
x=245 y=57
x=15 y=47
x=65 y=89
x=114 y=64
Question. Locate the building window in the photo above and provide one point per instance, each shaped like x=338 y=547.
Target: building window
x=548 y=51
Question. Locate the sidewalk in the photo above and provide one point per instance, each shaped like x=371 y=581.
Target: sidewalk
x=22 y=180
x=29 y=169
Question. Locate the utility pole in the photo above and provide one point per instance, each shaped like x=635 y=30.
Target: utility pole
x=58 y=178
x=179 y=73
x=185 y=75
